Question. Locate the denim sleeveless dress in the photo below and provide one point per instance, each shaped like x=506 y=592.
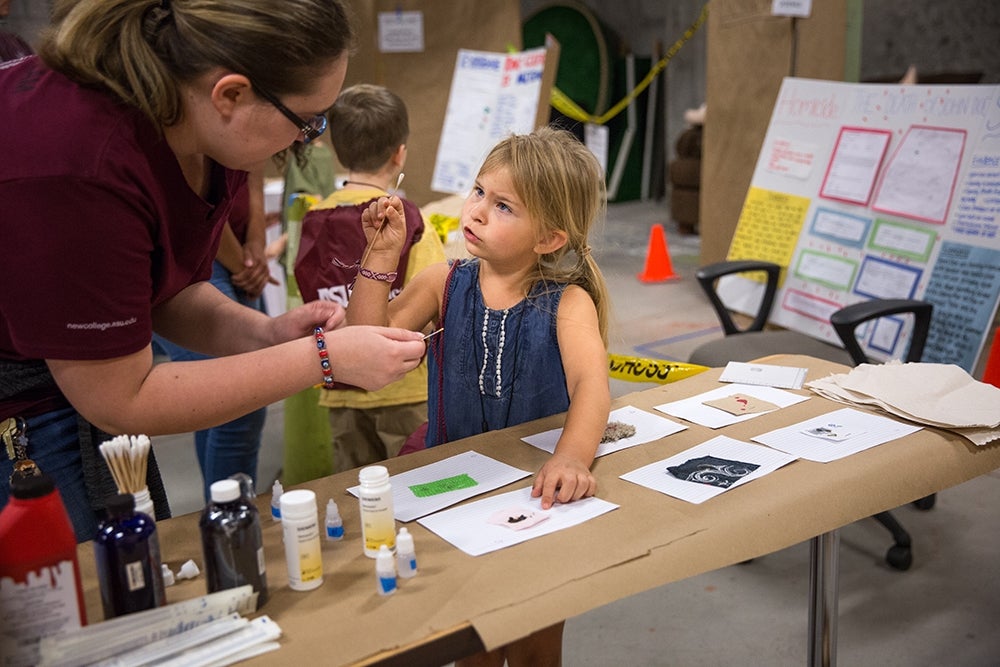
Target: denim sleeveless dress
x=493 y=368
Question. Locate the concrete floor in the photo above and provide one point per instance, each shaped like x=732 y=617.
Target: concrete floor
x=943 y=611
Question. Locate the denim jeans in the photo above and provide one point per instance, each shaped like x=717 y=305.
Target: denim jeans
x=232 y=447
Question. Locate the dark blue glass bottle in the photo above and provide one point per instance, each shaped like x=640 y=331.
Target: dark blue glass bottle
x=231 y=541
x=127 y=551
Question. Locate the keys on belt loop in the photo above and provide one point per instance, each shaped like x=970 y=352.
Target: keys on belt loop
x=13 y=433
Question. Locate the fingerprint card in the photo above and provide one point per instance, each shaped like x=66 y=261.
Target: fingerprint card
x=517 y=518
x=497 y=522
x=832 y=431
x=835 y=435
x=712 y=470
x=708 y=469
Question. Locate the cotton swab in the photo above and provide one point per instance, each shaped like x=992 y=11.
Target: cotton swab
x=127 y=458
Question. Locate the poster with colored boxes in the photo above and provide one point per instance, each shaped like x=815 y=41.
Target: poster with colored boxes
x=865 y=191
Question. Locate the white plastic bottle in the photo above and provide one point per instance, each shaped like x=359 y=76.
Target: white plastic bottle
x=378 y=525
x=385 y=571
x=406 y=555
x=276 y=491
x=144 y=503
x=334 y=524
x=300 y=523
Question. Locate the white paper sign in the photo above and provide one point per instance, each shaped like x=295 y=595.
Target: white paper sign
x=492 y=95
x=797 y=8
x=401 y=32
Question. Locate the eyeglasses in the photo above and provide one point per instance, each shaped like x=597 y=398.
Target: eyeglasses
x=309 y=129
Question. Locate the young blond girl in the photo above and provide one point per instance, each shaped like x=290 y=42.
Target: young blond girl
x=525 y=320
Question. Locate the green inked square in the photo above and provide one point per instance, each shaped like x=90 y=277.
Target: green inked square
x=445 y=485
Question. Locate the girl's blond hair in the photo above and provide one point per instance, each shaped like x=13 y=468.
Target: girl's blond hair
x=562 y=186
x=140 y=50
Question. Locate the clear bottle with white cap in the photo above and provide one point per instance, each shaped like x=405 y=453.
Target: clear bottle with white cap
x=406 y=555
x=276 y=492
x=303 y=554
x=385 y=571
x=334 y=522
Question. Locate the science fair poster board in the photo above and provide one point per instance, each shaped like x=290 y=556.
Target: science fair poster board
x=865 y=191
x=492 y=95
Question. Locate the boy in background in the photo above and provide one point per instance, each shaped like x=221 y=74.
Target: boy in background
x=369 y=126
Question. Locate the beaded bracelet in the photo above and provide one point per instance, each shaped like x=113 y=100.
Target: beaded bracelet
x=376 y=275
x=324 y=358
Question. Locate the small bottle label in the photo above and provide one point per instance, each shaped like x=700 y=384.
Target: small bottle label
x=386 y=585
x=335 y=532
x=310 y=564
x=134 y=576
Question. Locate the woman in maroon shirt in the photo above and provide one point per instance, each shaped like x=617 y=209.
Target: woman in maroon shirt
x=124 y=145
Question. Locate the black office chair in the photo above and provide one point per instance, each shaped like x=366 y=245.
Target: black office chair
x=754 y=341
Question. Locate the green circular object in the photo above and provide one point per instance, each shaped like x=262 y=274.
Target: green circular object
x=584 y=74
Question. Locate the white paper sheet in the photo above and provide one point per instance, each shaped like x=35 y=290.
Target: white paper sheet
x=648 y=427
x=469 y=528
x=433 y=487
x=656 y=476
x=765 y=375
x=858 y=431
x=693 y=410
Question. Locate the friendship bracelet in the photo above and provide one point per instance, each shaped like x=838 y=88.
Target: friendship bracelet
x=324 y=358
x=377 y=275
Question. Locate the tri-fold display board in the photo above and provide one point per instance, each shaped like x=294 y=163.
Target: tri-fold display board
x=866 y=191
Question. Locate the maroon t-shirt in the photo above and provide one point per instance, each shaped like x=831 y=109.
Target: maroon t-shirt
x=97 y=224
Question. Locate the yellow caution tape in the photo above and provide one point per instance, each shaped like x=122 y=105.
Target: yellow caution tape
x=568 y=107
x=637 y=369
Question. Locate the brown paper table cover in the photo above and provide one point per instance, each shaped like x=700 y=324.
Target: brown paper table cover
x=650 y=540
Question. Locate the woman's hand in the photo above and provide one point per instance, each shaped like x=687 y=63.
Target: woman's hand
x=373 y=357
x=301 y=321
x=256 y=274
x=564 y=479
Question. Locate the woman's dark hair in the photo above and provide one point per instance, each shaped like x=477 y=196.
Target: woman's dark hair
x=142 y=49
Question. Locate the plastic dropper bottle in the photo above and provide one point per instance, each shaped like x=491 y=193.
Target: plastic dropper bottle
x=334 y=524
x=276 y=492
x=385 y=571
x=406 y=555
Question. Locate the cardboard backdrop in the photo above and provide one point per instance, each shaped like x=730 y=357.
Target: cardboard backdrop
x=423 y=78
x=749 y=53
x=867 y=191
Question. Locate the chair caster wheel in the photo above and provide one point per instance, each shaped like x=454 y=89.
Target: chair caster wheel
x=899 y=558
x=925 y=503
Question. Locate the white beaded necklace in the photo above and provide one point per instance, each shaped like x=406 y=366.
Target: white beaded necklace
x=486 y=351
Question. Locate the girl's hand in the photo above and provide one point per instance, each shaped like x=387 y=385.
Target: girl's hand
x=563 y=479
x=385 y=214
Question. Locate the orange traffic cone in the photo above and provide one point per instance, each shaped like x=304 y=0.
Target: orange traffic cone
x=658 y=266
x=991 y=374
